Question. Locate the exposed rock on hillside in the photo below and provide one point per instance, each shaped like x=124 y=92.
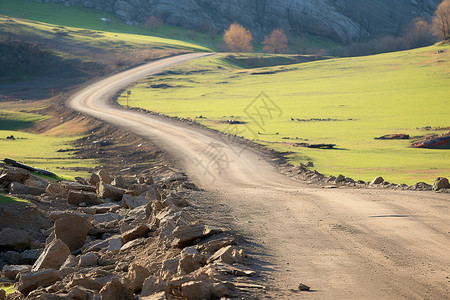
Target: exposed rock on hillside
x=342 y=20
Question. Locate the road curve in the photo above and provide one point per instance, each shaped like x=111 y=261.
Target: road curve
x=344 y=243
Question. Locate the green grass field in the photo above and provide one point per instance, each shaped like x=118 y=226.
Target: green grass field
x=10 y=199
x=365 y=97
x=74 y=17
x=38 y=150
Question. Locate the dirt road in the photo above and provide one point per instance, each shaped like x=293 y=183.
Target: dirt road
x=344 y=243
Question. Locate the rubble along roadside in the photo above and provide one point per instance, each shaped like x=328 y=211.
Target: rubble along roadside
x=118 y=237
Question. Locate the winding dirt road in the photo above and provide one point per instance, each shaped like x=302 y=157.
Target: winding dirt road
x=344 y=243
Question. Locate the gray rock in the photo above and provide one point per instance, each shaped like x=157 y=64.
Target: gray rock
x=21 y=189
x=131 y=202
x=377 y=180
x=105 y=191
x=136 y=276
x=340 y=178
x=12 y=257
x=78 y=197
x=441 y=183
x=88 y=260
x=14 y=175
x=137 y=232
x=32 y=280
x=105 y=218
x=15 y=239
x=11 y=271
x=29 y=257
x=53 y=257
x=72 y=230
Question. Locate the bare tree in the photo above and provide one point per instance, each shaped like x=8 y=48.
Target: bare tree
x=276 y=42
x=441 y=21
x=418 y=34
x=238 y=39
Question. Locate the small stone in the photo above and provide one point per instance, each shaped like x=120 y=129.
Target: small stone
x=135 y=233
x=377 y=180
x=303 y=287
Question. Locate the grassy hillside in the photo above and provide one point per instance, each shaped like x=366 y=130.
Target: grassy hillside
x=46 y=151
x=347 y=102
x=58 y=14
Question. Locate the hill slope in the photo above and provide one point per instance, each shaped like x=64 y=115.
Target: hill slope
x=343 y=20
x=347 y=102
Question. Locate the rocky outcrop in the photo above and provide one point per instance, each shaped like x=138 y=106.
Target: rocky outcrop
x=343 y=20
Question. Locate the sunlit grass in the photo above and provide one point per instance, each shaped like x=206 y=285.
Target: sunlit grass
x=56 y=16
x=368 y=97
x=38 y=150
x=10 y=199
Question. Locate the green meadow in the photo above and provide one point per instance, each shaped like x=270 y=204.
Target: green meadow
x=356 y=100
x=69 y=20
x=38 y=150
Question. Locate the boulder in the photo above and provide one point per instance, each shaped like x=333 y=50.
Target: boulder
x=72 y=230
x=14 y=175
x=29 y=257
x=214 y=243
x=21 y=189
x=190 y=262
x=152 y=193
x=71 y=262
x=36 y=182
x=76 y=186
x=169 y=268
x=88 y=260
x=11 y=271
x=228 y=255
x=131 y=202
x=153 y=285
x=135 y=233
x=339 y=179
x=104 y=176
x=116 y=290
x=196 y=290
x=133 y=243
x=32 y=280
x=441 y=183
x=377 y=180
x=105 y=191
x=105 y=218
x=55 y=189
x=81 y=293
x=136 y=276
x=120 y=182
x=94 y=179
x=77 y=197
x=12 y=257
x=186 y=234
x=155 y=296
x=53 y=257
x=106 y=207
x=16 y=239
